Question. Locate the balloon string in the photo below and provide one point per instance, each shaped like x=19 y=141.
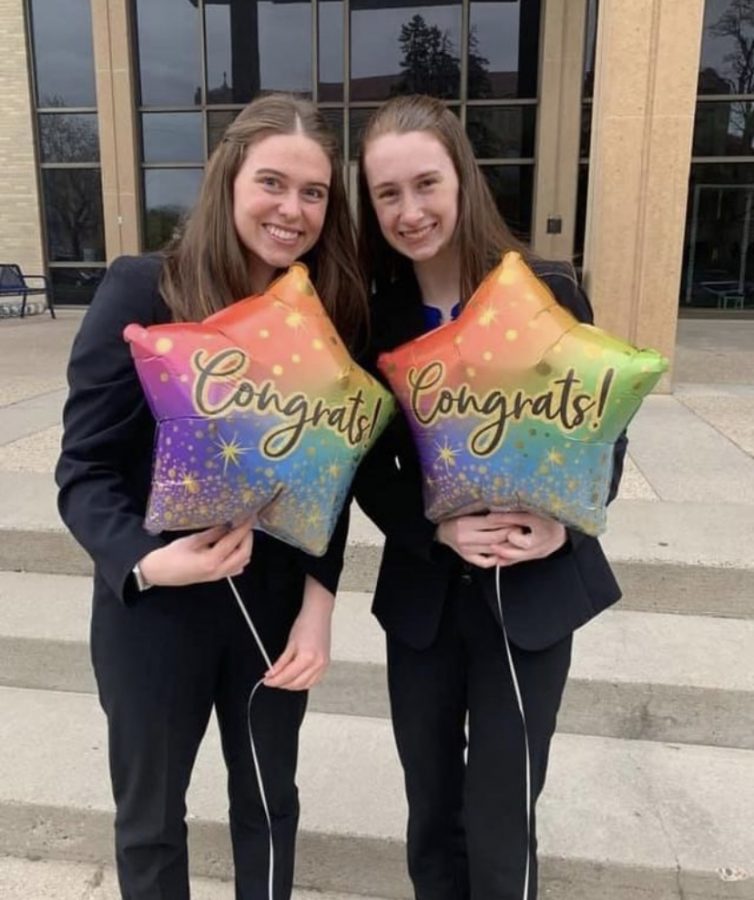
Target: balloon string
x=257 y=769
x=520 y=702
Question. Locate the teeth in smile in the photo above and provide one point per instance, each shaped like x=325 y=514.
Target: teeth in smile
x=417 y=233
x=282 y=234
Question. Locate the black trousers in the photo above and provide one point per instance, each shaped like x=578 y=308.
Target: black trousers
x=162 y=665
x=467 y=800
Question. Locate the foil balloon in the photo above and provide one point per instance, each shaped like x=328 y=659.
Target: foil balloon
x=261 y=411
x=517 y=405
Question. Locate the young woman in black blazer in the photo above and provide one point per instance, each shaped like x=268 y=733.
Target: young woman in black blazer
x=168 y=641
x=429 y=232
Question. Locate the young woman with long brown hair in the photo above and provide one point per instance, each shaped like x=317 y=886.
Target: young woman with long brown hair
x=167 y=640
x=429 y=233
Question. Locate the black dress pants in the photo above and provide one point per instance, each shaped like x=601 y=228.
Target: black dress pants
x=162 y=665
x=467 y=811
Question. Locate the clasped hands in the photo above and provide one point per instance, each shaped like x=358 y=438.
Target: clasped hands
x=501 y=538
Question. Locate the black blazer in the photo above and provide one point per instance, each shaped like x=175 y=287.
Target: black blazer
x=104 y=471
x=543 y=600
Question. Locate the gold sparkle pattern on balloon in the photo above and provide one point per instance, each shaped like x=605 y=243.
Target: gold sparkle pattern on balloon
x=261 y=411
x=533 y=400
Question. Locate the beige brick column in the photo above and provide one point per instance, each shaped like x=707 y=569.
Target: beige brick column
x=644 y=99
x=559 y=126
x=117 y=126
x=20 y=221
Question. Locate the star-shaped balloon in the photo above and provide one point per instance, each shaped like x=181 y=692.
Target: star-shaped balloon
x=261 y=411
x=517 y=405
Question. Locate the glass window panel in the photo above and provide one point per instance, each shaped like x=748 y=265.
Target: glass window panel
x=330 y=76
x=217 y=121
x=580 y=224
x=68 y=137
x=500 y=131
x=586 y=130
x=724 y=129
x=169 y=195
x=63 y=54
x=172 y=137
x=512 y=188
x=726 y=65
x=405 y=48
x=718 y=269
x=503 y=48
x=168 y=52
x=73 y=211
x=334 y=118
x=590 y=47
x=257 y=46
x=75 y=287
x=358 y=118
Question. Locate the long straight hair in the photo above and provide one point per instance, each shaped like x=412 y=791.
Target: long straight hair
x=207 y=266
x=481 y=232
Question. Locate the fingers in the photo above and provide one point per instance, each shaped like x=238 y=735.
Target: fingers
x=296 y=669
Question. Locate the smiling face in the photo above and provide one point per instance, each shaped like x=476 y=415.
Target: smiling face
x=413 y=187
x=280 y=197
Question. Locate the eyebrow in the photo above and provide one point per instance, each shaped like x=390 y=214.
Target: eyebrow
x=384 y=184
x=282 y=175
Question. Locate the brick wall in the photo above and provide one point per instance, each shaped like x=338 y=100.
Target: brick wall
x=20 y=232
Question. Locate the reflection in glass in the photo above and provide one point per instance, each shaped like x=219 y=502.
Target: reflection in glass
x=168 y=52
x=586 y=129
x=73 y=210
x=217 y=121
x=75 y=287
x=172 y=137
x=718 y=269
x=257 y=46
x=503 y=49
x=501 y=131
x=580 y=223
x=334 y=118
x=357 y=120
x=63 y=54
x=726 y=61
x=724 y=129
x=68 y=137
x=169 y=195
x=405 y=48
x=330 y=49
x=512 y=188
x=590 y=47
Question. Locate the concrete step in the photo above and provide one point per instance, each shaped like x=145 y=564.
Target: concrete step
x=688 y=558
x=21 y=879
x=645 y=676
x=620 y=819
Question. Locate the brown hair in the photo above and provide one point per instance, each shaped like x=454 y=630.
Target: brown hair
x=480 y=230
x=207 y=267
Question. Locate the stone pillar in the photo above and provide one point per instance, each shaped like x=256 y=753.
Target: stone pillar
x=644 y=100
x=117 y=126
x=559 y=126
x=20 y=217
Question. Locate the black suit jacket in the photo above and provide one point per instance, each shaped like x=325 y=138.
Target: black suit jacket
x=104 y=471
x=543 y=600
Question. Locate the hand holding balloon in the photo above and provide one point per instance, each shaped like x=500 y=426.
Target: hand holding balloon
x=476 y=539
x=209 y=555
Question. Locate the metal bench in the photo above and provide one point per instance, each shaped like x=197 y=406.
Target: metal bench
x=13 y=283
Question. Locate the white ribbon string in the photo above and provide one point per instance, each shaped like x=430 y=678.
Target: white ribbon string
x=520 y=702
x=257 y=769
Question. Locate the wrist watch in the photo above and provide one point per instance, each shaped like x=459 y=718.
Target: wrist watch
x=141 y=582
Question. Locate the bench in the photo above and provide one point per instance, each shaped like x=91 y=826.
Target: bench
x=13 y=283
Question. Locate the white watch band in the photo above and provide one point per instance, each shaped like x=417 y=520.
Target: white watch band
x=141 y=582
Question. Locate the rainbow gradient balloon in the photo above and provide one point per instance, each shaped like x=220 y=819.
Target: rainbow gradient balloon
x=517 y=405
x=261 y=411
